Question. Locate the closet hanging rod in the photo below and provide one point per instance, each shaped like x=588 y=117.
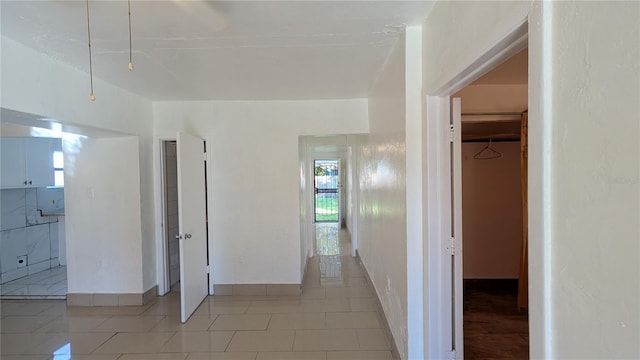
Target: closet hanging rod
x=493 y=140
x=492 y=113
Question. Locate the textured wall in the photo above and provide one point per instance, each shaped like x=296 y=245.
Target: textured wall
x=382 y=172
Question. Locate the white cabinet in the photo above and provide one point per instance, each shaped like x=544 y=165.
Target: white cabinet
x=39 y=161
x=12 y=162
x=26 y=162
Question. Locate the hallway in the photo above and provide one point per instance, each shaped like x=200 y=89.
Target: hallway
x=334 y=318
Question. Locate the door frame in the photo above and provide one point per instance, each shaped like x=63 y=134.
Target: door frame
x=437 y=325
x=162 y=250
x=166 y=284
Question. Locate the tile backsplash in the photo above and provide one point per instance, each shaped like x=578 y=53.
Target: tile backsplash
x=13 y=207
x=26 y=234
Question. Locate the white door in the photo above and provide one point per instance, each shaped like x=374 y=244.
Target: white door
x=192 y=223
x=456 y=228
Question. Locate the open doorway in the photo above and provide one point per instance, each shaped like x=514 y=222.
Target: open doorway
x=32 y=241
x=326 y=190
x=171 y=213
x=493 y=162
x=186 y=269
x=60 y=211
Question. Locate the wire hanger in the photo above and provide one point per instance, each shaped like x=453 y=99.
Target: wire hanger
x=487 y=153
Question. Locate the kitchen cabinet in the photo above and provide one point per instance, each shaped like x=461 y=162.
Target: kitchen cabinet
x=26 y=162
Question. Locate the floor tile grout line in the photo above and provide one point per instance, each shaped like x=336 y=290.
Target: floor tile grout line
x=269 y=321
x=230 y=341
x=104 y=342
x=293 y=343
x=324 y=320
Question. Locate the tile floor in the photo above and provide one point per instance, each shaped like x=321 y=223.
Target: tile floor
x=47 y=284
x=334 y=318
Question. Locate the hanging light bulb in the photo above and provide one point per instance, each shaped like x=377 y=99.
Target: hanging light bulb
x=130 y=51
x=92 y=96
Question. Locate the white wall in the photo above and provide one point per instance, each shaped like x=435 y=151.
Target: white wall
x=456 y=33
x=38 y=84
x=103 y=241
x=382 y=169
x=591 y=107
x=254 y=187
x=351 y=179
x=583 y=156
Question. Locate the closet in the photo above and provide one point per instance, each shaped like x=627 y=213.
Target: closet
x=494 y=164
x=492 y=195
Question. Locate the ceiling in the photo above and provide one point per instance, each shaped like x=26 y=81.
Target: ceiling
x=230 y=50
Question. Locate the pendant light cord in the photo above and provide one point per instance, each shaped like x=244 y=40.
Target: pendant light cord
x=91 y=96
x=130 y=47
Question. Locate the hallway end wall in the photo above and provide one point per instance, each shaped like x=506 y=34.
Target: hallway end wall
x=254 y=188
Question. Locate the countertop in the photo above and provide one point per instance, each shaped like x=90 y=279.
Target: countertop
x=56 y=212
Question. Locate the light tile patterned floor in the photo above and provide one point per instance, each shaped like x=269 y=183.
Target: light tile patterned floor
x=334 y=318
x=47 y=284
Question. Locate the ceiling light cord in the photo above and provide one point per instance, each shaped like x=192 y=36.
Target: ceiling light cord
x=130 y=47
x=92 y=97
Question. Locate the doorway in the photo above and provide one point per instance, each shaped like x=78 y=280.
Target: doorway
x=489 y=211
x=171 y=213
x=326 y=190
x=32 y=241
x=492 y=243
x=185 y=212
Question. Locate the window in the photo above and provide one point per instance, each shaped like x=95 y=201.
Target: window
x=58 y=168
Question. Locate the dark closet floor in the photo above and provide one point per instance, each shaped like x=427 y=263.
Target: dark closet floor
x=493 y=326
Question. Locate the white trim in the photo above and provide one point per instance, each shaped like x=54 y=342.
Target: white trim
x=310 y=202
x=456 y=188
x=210 y=199
x=161 y=248
x=355 y=191
x=436 y=221
x=540 y=185
x=166 y=284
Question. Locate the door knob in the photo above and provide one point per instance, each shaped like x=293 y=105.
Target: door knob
x=187 y=236
x=178 y=237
